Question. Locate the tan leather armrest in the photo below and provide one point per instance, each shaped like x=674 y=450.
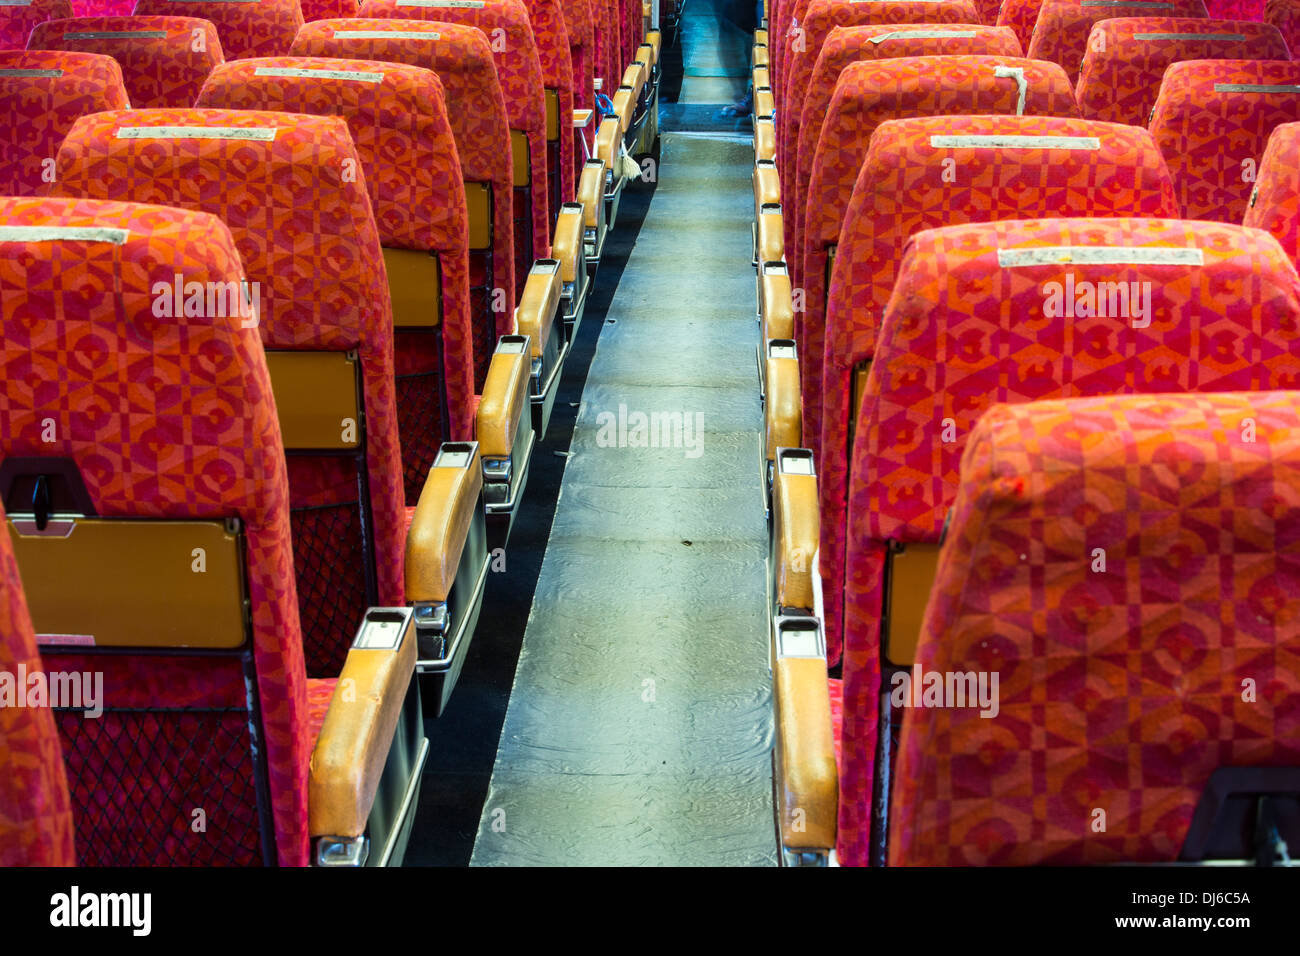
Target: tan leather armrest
x=796 y=527
x=771 y=235
x=782 y=408
x=653 y=40
x=760 y=37
x=761 y=78
x=776 y=303
x=591 y=190
x=607 y=140
x=634 y=78
x=505 y=396
x=767 y=186
x=537 y=307
x=566 y=244
x=808 y=784
x=352 y=748
x=624 y=104
x=434 y=543
x=760 y=56
x=764 y=139
x=764 y=105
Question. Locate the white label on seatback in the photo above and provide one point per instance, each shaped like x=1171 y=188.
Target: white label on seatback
x=1255 y=88
x=1100 y=256
x=60 y=233
x=260 y=133
x=46 y=74
x=117 y=35
x=457 y=4
x=1230 y=37
x=311 y=72
x=923 y=35
x=1144 y=4
x=16 y=3
x=383 y=34
x=996 y=141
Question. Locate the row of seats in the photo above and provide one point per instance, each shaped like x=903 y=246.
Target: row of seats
x=960 y=254
x=276 y=361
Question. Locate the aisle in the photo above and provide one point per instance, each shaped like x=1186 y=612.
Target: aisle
x=639 y=725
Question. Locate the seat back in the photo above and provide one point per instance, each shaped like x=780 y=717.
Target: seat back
x=164 y=60
x=845 y=45
x=462 y=59
x=42 y=92
x=1126 y=59
x=246 y=27
x=866 y=95
x=35 y=812
x=152 y=435
x=1146 y=653
x=933 y=171
x=443 y=339
x=1275 y=202
x=506 y=26
x=307 y=239
x=1060 y=30
x=1212 y=119
x=1021 y=311
x=821 y=17
x=580 y=27
x=555 y=50
x=1285 y=15
x=19 y=17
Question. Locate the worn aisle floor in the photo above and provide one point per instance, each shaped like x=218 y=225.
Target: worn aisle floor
x=639 y=726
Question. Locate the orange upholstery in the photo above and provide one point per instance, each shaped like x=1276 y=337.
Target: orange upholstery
x=462 y=58
x=42 y=93
x=403 y=136
x=308 y=242
x=35 y=813
x=246 y=27
x=1061 y=28
x=19 y=17
x=1028 y=310
x=1212 y=120
x=1127 y=58
x=164 y=60
x=519 y=70
x=1115 y=706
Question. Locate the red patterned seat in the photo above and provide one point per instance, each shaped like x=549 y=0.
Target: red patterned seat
x=505 y=25
x=164 y=60
x=1022 y=311
x=1127 y=58
x=246 y=27
x=42 y=93
x=35 y=812
x=821 y=17
x=121 y=401
x=554 y=49
x=928 y=172
x=19 y=17
x=866 y=95
x=845 y=45
x=102 y=8
x=1119 y=690
x=1275 y=202
x=403 y=137
x=1061 y=27
x=1252 y=10
x=1212 y=120
x=580 y=27
x=605 y=27
x=307 y=239
x=1285 y=15
x=462 y=59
